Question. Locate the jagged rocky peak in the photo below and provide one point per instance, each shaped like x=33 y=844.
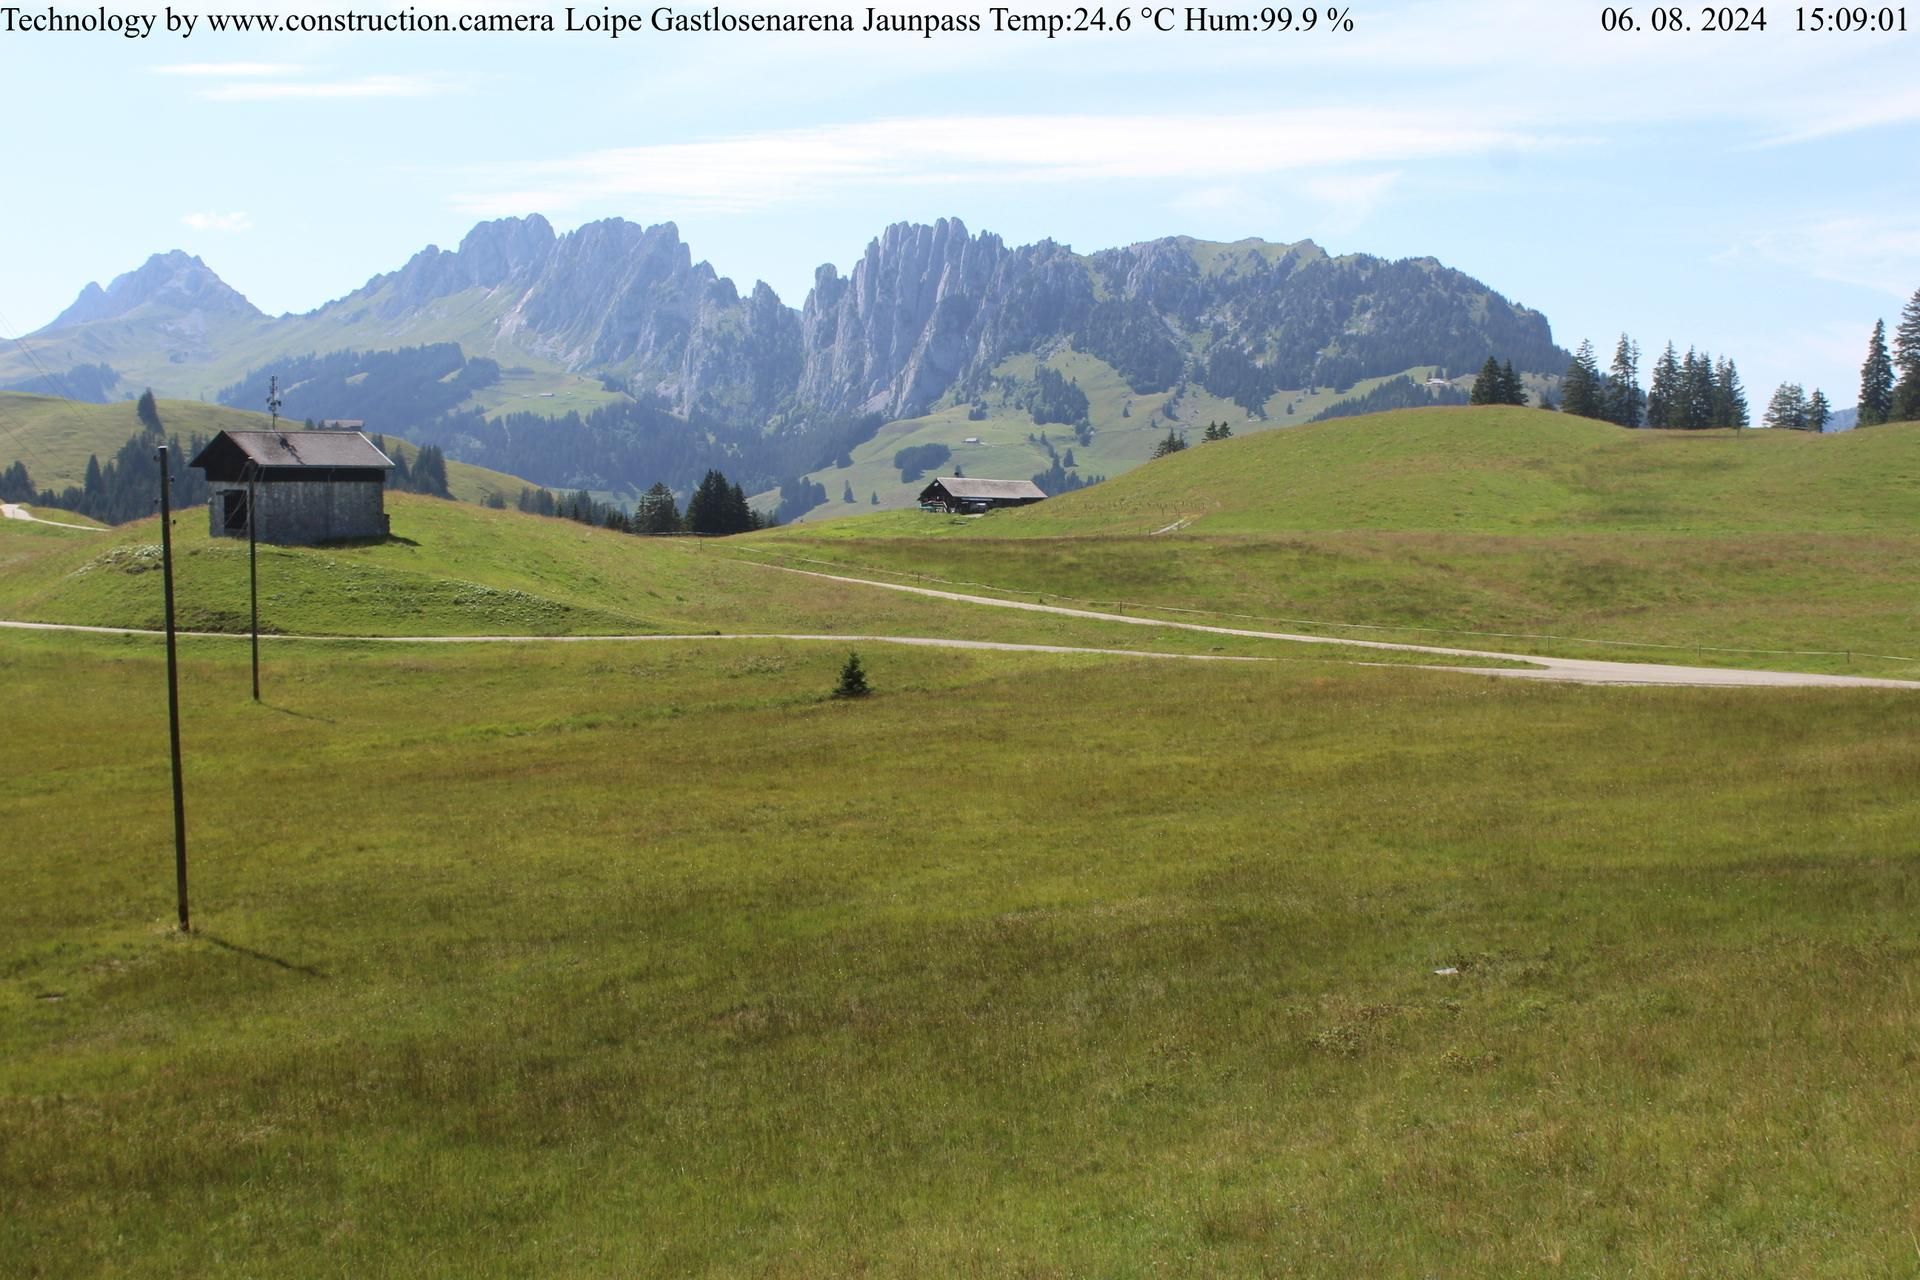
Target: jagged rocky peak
x=494 y=251
x=491 y=254
x=895 y=332
x=177 y=281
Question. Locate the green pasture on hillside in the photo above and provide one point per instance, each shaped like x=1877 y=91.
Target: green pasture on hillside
x=1127 y=427
x=653 y=959
x=1501 y=470
x=55 y=437
x=460 y=570
x=1507 y=529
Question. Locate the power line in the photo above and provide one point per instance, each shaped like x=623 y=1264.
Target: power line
x=53 y=383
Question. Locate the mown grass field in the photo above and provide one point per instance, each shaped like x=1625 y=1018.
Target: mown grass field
x=458 y=570
x=588 y=960
x=650 y=957
x=1127 y=425
x=55 y=437
x=1431 y=526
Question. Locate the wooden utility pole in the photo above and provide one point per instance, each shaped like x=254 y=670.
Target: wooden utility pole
x=253 y=577
x=253 y=540
x=173 y=693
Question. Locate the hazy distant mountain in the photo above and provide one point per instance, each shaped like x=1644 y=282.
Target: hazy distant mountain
x=928 y=315
x=168 y=288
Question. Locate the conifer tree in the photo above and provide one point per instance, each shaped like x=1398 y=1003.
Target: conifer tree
x=1664 y=396
x=657 y=512
x=1876 y=379
x=1788 y=408
x=1905 y=405
x=1729 y=396
x=853 y=679
x=1819 y=412
x=740 y=516
x=707 y=508
x=148 y=412
x=1512 y=390
x=1489 y=387
x=1624 y=397
x=1580 y=391
x=1697 y=381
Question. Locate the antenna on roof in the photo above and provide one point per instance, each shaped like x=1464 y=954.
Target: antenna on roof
x=273 y=399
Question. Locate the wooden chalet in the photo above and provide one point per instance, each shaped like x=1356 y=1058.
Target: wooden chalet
x=311 y=486
x=966 y=496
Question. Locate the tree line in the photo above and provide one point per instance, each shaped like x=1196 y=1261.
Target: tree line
x=717 y=507
x=1890 y=380
x=1694 y=392
x=124 y=487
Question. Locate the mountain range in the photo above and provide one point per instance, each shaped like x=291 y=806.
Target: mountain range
x=615 y=315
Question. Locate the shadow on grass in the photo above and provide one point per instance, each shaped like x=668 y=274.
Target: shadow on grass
x=300 y=715
x=251 y=954
x=376 y=540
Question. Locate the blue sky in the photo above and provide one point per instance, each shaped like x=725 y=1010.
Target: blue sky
x=1754 y=194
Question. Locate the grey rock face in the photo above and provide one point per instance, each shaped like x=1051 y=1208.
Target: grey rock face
x=175 y=282
x=928 y=311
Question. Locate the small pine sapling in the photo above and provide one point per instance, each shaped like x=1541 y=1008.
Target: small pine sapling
x=853 y=679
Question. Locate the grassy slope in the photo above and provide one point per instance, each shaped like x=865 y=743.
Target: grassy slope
x=455 y=569
x=1477 y=520
x=596 y=960
x=55 y=437
x=1126 y=425
x=1509 y=470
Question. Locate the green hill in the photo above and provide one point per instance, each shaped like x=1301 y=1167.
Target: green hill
x=1004 y=442
x=1505 y=470
x=1504 y=528
x=455 y=569
x=54 y=438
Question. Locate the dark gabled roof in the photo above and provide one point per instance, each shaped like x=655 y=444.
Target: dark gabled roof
x=294 y=449
x=966 y=487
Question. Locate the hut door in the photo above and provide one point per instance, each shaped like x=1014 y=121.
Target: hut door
x=234 y=511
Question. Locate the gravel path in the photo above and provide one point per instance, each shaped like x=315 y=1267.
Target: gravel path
x=1564 y=670
x=1570 y=670
x=931 y=642
x=13 y=511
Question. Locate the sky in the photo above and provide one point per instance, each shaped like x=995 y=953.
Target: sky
x=1754 y=194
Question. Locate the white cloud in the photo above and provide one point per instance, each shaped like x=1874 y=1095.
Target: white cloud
x=229 y=70
x=1850 y=113
x=395 y=86
x=759 y=170
x=237 y=221
x=1878 y=253
x=1351 y=198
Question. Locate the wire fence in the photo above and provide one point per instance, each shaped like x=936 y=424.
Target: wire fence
x=1324 y=624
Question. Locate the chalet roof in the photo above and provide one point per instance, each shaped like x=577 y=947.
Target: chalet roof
x=965 y=487
x=282 y=449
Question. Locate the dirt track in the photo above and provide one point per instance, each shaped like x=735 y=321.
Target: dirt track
x=1570 y=670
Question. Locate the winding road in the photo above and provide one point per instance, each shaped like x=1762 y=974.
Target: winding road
x=1568 y=670
x=1563 y=670
x=14 y=511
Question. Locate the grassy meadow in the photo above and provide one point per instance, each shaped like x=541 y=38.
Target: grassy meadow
x=650 y=957
x=55 y=437
x=453 y=569
x=1535 y=530
x=599 y=959
x=1127 y=425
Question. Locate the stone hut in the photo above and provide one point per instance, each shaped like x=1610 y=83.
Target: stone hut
x=311 y=486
